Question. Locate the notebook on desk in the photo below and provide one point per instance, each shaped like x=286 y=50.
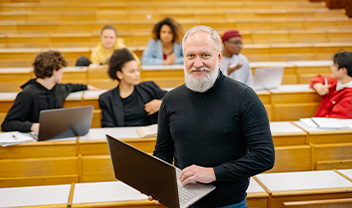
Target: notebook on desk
x=267 y=78
x=64 y=122
x=152 y=176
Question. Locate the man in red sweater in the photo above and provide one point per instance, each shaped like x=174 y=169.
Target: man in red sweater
x=336 y=91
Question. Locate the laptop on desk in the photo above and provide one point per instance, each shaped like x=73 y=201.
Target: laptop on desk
x=64 y=122
x=267 y=78
x=153 y=176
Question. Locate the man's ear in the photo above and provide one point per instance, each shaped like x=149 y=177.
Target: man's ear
x=219 y=58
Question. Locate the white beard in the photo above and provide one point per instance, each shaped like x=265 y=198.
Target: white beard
x=201 y=85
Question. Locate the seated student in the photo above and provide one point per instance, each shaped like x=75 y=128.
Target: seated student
x=44 y=92
x=131 y=103
x=165 y=48
x=336 y=91
x=234 y=64
x=109 y=43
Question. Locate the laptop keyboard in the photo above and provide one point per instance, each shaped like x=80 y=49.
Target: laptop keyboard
x=184 y=195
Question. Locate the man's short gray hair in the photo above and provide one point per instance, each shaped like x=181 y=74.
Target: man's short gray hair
x=215 y=35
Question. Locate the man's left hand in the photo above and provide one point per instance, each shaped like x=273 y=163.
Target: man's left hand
x=195 y=173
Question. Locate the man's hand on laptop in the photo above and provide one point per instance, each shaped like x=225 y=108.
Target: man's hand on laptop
x=194 y=173
x=150 y=198
x=35 y=127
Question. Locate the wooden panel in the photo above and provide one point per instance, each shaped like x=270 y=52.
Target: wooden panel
x=295 y=97
x=38 y=167
x=287 y=139
x=278 y=201
x=333 y=164
x=97 y=168
x=294 y=111
x=325 y=203
x=337 y=151
x=292 y=158
x=333 y=136
x=39 y=150
x=96 y=120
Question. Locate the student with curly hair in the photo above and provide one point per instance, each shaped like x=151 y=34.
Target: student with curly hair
x=165 y=48
x=131 y=103
x=44 y=92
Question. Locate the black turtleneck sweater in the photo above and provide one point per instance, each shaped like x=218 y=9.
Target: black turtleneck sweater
x=34 y=98
x=226 y=128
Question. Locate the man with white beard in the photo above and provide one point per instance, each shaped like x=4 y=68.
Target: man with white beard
x=214 y=128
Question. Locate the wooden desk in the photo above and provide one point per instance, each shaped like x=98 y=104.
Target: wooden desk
x=320 y=136
x=91 y=97
x=299 y=186
x=256 y=195
x=6 y=101
x=111 y=194
x=35 y=196
x=291 y=102
x=332 y=156
x=165 y=76
x=73 y=100
x=306 y=70
x=346 y=173
x=285 y=133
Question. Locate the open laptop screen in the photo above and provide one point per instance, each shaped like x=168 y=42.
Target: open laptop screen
x=64 y=122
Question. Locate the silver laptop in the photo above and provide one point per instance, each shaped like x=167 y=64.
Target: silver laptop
x=64 y=122
x=153 y=176
x=267 y=78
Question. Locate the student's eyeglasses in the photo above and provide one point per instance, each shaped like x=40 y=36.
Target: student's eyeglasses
x=239 y=43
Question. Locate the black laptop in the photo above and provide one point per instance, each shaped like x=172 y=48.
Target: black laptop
x=153 y=176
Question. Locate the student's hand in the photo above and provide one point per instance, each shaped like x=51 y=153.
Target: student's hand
x=234 y=68
x=152 y=107
x=195 y=173
x=90 y=87
x=170 y=59
x=321 y=88
x=35 y=127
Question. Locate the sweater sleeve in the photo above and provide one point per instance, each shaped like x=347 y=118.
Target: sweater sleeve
x=17 y=117
x=256 y=132
x=76 y=87
x=164 y=144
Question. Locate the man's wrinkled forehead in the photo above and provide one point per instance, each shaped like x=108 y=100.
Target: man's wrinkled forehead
x=198 y=39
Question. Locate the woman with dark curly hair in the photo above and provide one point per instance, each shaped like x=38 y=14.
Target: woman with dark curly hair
x=44 y=92
x=165 y=48
x=131 y=103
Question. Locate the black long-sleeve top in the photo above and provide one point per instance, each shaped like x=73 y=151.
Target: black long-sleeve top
x=113 y=111
x=33 y=98
x=226 y=128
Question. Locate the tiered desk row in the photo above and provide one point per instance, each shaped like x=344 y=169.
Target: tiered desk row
x=23 y=57
x=88 y=190
x=281 y=103
x=86 y=159
x=265 y=190
x=57 y=40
